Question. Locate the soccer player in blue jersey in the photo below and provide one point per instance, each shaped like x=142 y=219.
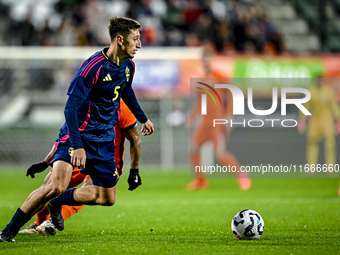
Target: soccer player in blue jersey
x=86 y=138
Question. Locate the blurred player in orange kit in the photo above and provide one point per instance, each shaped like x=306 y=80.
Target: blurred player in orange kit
x=204 y=132
x=125 y=128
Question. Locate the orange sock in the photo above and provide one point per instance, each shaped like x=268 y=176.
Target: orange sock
x=67 y=211
x=43 y=215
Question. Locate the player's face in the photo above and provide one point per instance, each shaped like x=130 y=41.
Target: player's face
x=132 y=43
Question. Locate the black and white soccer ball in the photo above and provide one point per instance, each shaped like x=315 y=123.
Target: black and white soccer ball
x=247 y=224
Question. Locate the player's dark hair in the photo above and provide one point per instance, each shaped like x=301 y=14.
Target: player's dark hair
x=123 y=26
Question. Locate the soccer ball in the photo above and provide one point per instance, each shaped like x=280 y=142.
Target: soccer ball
x=247 y=224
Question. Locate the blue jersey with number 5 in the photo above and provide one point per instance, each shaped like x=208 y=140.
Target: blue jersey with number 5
x=100 y=83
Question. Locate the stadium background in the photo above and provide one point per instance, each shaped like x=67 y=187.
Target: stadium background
x=42 y=43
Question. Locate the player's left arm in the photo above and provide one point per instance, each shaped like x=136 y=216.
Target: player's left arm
x=132 y=135
x=78 y=157
x=130 y=100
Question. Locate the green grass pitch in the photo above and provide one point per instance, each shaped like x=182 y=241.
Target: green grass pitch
x=301 y=216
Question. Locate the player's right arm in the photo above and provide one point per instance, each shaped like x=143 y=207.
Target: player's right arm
x=78 y=91
x=78 y=157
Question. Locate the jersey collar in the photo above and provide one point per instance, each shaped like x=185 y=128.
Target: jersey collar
x=104 y=54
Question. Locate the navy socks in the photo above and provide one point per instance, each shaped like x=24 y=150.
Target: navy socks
x=18 y=220
x=65 y=199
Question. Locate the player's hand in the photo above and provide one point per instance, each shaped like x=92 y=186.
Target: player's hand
x=36 y=168
x=78 y=158
x=134 y=179
x=147 y=128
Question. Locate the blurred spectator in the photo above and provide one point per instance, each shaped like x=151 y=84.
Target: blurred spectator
x=222 y=23
x=145 y=11
x=277 y=42
x=44 y=35
x=65 y=33
x=239 y=32
x=173 y=17
x=260 y=27
x=337 y=9
x=204 y=28
x=23 y=32
x=5 y=22
x=62 y=6
x=238 y=24
x=84 y=36
x=191 y=12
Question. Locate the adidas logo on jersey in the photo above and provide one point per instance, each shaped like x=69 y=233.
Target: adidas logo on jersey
x=107 y=78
